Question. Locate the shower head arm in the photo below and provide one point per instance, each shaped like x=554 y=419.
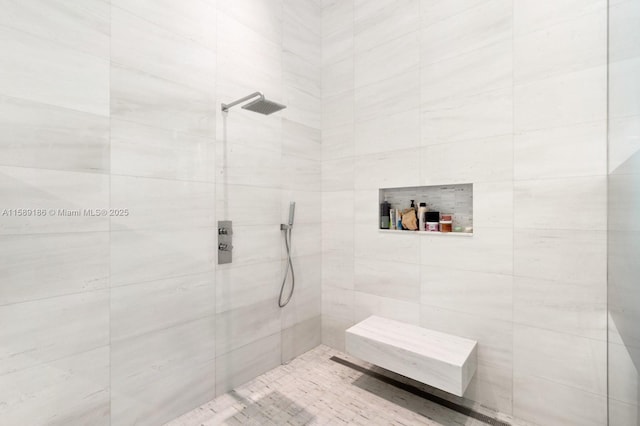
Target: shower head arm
x=226 y=107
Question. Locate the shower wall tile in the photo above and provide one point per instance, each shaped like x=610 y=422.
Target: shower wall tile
x=387 y=170
x=238 y=164
x=361 y=214
x=75 y=141
x=434 y=11
x=301 y=74
x=41 y=70
x=244 y=286
x=395 y=132
x=255 y=131
x=62 y=195
x=144 y=46
x=565 y=99
x=389 y=279
x=84 y=28
x=561 y=358
x=70 y=390
x=377 y=22
x=486 y=295
x=578 y=309
x=478 y=160
x=337 y=143
x=156 y=102
x=302 y=106
x=623 y=31
x=338 y=175
x=493 y=204
x=147 y=151
x=153 y=379
x=371 y=66
x=338 y=110
x=40 y=266
x=492 y=70
x=561 y=255
x=301 y=338
x=393 y=95
x=307 y=240
x=161 y=204
x=528 y=16
x=338 y=77
x=301 y=174
x=308 y=206
x=571 y=46
x=338 y=238
x=248 y=205
x=337 y=302
x=489 y=250
x=301 y=30
x=477 y=27
x=256 y=244
x=306 y=300
x=491 y=385
x=261 y=16
x=301 y=140
x=622 y=154
x=365 y=305
x=247 y=362
x=568 y=203
x=467 y=117
x=45 y=330
x=566 y=151
x=195 y=19
x=562 y=404
x=333 y=331
x=338 y=269
x=148 y=255
x=240 y=48
x=152 y=306
x=247 y=324
x=372 y=243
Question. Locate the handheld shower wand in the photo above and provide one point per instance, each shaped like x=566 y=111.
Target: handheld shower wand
x=287 y=241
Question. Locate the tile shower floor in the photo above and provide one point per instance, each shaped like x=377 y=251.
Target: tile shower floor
x=314 y=390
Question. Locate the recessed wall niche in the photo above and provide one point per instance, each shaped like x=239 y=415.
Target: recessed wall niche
x=455 y=200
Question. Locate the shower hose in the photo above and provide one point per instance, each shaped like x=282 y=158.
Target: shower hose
x=287 y=242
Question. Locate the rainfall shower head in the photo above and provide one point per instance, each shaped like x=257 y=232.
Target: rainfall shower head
x=261 y=105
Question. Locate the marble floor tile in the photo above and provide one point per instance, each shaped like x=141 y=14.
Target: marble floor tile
x=314 y=390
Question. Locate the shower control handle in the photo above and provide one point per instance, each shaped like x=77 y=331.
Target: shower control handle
x=225 y=242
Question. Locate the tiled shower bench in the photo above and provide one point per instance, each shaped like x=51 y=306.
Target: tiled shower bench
x=441 y=360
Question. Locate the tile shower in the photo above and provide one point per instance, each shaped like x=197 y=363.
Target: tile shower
x=125 y=318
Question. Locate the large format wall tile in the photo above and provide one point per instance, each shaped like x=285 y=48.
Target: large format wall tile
x=147 y=151
x=71 y=390
x=247 y=362
x=161 y=204
x=241 y=326
x=148 y=255
x=575 y=150
x=377 y=22
x=195 y=19
x=48 y=137
x=573 y=308
x=389 y=279
x=40 y=70
x=62 y=198
x=83 y=27
x=46 y=265
x=149 y=100
x=49 y=329
x=160 y=375
x=145 y=307
x=139 y=44
x=568 y=203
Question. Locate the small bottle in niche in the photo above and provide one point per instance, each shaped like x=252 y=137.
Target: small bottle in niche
x=433 y=221
x=384 y=215
x=422 y=216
